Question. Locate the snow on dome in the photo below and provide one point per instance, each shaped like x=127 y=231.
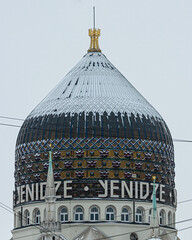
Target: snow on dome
x=95 y=85
x=95 y=100
x=95 y=112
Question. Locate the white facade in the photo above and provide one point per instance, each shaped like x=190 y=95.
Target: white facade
x=72 y=228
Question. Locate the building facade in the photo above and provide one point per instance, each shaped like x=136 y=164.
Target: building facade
x=107 y=142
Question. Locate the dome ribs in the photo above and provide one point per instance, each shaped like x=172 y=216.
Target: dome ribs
x=63 y=124
x=71 y=126
x=67 y=124
x=89 y=125
x=32 y=130
x=120 y=126
x=97 y=125
x=94 y=125
x=156 y=129
x=125 y=121
x=153 y=129
x=54 y=126
x=43 y=124
x=22 y=137
x=59 y=128
x=163 y=132
x=148 y=124
x=104 y=125
x=138 y=126
x=113 y=125
x=144 y=126
x=151 y=126
x=49 y=126
x=81 y=125
x=39 y=130
x=133 y=127
x=159 y=130
x=74 y=123
x=141 y=127
x=127 y=126
x=168 y=135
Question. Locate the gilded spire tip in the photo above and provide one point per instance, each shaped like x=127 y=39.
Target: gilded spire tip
x=94 y=34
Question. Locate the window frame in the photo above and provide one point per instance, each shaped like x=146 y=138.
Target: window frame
x=110 y=215
x=149 y=216
x=162 y=220
x=27 y=217
x=78 y=216
x=37 y=216
x=96 y=215
x=63 y=215
x=139 y=216
x=125 y=216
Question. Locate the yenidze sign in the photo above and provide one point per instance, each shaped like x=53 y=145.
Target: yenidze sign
x=117 y=189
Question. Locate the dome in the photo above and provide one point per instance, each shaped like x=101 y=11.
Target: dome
x=95 y=99
x=101 y=128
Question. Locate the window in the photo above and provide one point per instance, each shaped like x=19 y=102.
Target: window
x=94 y=214
x=162 y=217
x=170 y=219
x=27 y=217
x=78 y=216
x=110 y=214
x=37 y=217
x=139 y=215
x=149 y=217
x=64 y=215
x=125 y=215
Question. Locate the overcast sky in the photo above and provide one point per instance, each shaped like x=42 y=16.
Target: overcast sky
x=149 y=41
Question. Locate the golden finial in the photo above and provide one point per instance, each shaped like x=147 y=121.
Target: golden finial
x=154 y=178
x=94 y=35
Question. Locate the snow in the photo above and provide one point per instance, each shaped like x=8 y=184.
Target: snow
x=94 y=85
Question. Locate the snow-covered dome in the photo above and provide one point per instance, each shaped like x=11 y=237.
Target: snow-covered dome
x=100 y=127
x=94 y=85
x=95 y=99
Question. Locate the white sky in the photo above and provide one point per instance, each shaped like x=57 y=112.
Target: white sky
x=149 y=41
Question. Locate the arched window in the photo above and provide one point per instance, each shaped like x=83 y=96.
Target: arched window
x=110 y=214
x=78 y=214
x=64 y=214
x=27 y=217
x=139 y=215
x=37 y=216
x=162 y=217
x=125 y=215
x=169 y=219
x=149 y=217
x=94 y=213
